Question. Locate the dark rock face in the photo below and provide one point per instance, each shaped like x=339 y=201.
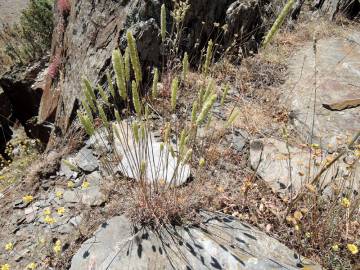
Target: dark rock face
x=90 y=32
x=348 y=8
x=22 y=91
x=5 y=120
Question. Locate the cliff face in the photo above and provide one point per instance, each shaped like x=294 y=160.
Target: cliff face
x=87 y=34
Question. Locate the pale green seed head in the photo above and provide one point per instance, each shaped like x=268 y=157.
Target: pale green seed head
x=136 y=98
x=185 y=64
x=163 y=22
x=134 y=57
x=174 y=90
x=154 y=91
x=206 y=108
x=118 y=64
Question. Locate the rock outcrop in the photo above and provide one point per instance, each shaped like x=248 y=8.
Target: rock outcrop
x=347 y=8
x=5 y=120
x=86 y=36
x=220 y=242
x=23 y=87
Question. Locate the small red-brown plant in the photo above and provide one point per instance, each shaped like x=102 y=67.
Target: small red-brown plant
x=54 y=67
x=63 y=6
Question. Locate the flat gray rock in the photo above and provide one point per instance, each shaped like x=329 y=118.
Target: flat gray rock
x=338 y=86
x=91 y=195
x=160 y=164
x=220 y=242
x=285 y=168
x=86 y=161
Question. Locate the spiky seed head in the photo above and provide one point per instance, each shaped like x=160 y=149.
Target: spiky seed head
x=154 y=89
x=194 y=111
x=206 y=108
x=278 y=22
x=143 y=167
x=226 y=90
x=87 y=109
x=136 y=98
x=127 y=64
x=118 y=64
x=174 y=90
x=182 y=141
x=89 y=89
x=188 y=155
x=185 y=66
x=134 y=57
x=163 y=22
x=209 y=89
x=103 y=94
x=167 y=132
x=86 y=123
x=208 y=58
x=117 y=116
x=135 y=128
x=232 y=117
x=103 y=116
x=90 y=101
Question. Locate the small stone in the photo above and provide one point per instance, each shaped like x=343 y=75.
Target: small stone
x=86 y=161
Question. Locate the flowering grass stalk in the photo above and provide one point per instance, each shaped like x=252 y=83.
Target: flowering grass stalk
x=174 y=91
x=134 y=57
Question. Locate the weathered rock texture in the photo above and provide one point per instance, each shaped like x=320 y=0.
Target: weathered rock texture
x=5 y=120
x=23 y=88
x=220 y=242
x=348 y=8
x=337 y=80
x=86 y=37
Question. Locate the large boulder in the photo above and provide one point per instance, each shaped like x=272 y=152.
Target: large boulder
x=86 y=36
x=220 y=242
x=331 y=114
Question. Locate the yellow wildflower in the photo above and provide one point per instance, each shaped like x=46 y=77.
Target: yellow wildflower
x=59 y=194
x=9 y=246
x=5 y=266
x=335 y=247
x=47 y=211
x=345 y=202
x=28 y=198
x=85 y=185
x=49 y=220
x=31 y=266
x=70 y=184
x=307 y=234
x=298 y=215
x=297 y=227
x=60 y=211
x=352 y=248
x=57 y=247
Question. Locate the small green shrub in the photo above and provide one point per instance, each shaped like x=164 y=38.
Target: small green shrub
x=31 y=38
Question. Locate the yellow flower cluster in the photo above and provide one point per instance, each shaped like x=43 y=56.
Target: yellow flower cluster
x=85 y=185
x=31 y=266
x=352 y=248
x=49 y=220
x=9 y=246
x=28 y=198
x=345 y=202
x=5 y=266
x=57 y=247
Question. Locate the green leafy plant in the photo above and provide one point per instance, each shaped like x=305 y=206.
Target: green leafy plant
x=31 y=38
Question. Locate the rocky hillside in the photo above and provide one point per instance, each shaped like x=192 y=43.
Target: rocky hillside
x=166 y=135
